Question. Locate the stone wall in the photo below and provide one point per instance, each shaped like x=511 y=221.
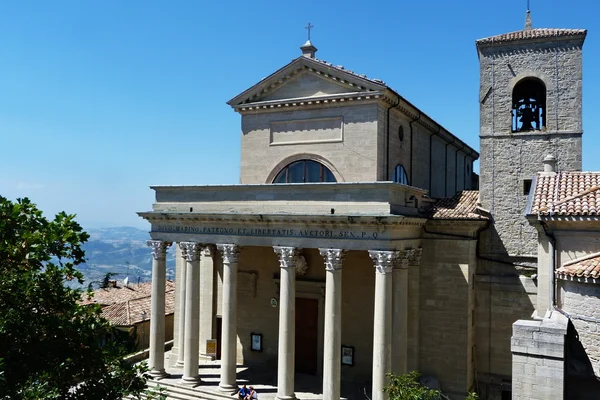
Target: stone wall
x=507 y=158
x=506 y=162
x=447 y=318
x=581 y=301
x=352 y=157
x=558 y=64
x=501 y=298
x=352 y=142
x=538 y=366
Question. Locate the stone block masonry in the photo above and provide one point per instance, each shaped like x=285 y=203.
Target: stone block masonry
x=538 y=349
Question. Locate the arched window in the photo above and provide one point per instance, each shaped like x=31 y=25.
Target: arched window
x=304 y=171
x=529 y=105
x=400 y=175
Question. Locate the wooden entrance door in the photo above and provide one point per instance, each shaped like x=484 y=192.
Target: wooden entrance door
x=307 y=335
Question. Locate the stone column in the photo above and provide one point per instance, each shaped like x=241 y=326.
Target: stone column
x=192 y=315
x=157 y=313
x=287 y=323
x=332 y=351
x=413 y=310
x=400 y=327
x=382 y=320
x=230 y=254
x=177 y=314
x=181 y=306
x=206 y=296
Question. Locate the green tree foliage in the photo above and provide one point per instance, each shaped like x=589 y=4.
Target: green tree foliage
x=407 y=387
x=51 y=346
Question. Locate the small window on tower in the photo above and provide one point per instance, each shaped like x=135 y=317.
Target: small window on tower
x=526 y=187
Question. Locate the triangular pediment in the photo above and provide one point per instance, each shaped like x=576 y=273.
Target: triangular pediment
x=306 y=78
x=305 y=84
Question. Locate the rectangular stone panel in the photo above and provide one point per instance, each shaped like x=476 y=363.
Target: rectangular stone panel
x=313 y=130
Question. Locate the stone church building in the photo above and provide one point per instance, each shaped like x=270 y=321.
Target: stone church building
x=360 y=242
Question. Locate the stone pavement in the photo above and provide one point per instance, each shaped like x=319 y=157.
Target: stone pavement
x=308 y=387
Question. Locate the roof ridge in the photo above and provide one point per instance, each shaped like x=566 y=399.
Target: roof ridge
x=128 y=313
x=580 y=259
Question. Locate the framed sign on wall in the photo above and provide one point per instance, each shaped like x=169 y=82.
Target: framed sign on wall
x=347 y=355
x=256 y=341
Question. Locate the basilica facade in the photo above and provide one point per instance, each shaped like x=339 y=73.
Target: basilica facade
x=360 y=241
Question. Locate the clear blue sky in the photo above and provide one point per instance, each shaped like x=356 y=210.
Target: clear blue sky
x=100 y=99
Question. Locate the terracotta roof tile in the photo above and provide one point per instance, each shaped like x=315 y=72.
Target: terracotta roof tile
x=123 y=306
x=585 y=267
x=119 y=294
x=567 y=194
x=461 y=206
x=527 y=34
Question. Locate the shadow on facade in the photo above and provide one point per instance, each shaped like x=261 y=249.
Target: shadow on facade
x=505 y=293
x=581 y=382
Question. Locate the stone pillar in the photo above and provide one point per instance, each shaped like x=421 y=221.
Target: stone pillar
x=287 y=323
x=206 y=296
x=157 y=313
x=191 y=252
x=229 y=323
x=332 y=351
x=400 y=326
x=399 y=314
x=181 y=307
x=414 y=315
x=382 y=320
x=177 y=313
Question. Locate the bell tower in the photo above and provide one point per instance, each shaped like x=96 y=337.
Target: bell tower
x=530 y=107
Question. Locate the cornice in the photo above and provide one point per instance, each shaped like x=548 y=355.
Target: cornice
x=337 y=99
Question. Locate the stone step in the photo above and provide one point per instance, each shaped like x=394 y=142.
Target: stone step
x=183 y=392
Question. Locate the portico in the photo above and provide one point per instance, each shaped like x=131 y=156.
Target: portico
x=371 y=238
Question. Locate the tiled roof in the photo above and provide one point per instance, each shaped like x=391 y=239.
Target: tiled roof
x=527 y=34
x=123 y=306
x=567 y=194
x=461 y=206
x=585 y=267
x=341 y=68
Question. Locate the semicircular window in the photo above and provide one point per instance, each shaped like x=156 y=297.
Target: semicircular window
x=400 y=175
x=304 y=171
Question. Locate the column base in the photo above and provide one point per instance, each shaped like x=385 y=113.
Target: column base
x=178 y=364
x=159 y=374
x=292 y=397
x=191 y=381
x=232 y=389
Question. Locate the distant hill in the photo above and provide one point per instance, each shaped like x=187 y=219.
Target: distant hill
x=121 y=250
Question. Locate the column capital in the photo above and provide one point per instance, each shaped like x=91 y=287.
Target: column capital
x=333 y=258
x=414 y=256
x=159 y=249
x=230 y=252
x=208 y=250
x=384 y=260
x=190 y=251
x=286 y=256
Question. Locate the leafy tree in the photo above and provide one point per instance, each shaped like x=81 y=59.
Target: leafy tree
x=51 y=346
x=407 y=387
